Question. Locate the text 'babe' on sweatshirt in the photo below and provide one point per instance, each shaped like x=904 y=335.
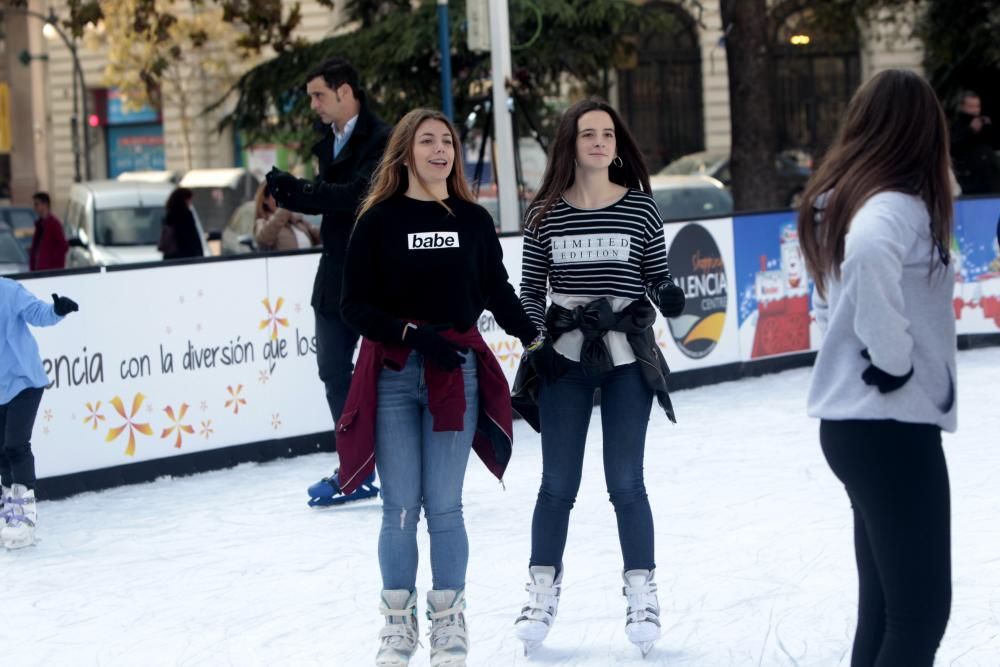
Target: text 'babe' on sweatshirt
x=409 y=259
x=894 y=299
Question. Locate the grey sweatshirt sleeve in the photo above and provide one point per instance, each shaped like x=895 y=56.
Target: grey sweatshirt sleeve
x=821 y=309
x=875 y=248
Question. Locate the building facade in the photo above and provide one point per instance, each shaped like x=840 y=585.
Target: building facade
x=675 y=96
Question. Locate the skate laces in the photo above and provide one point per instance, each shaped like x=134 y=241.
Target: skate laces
x=446 y=625
x=642 y=603
x=403 y=631
x=15 y=516
x=542 y=601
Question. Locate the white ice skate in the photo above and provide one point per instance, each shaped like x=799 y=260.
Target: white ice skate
x=537 y=617
x=642 y=618
x=449 y=636
x=399 y=638
x=20 y=516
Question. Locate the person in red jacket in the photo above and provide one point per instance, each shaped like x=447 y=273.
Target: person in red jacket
x=48 y=245
x=423 y=262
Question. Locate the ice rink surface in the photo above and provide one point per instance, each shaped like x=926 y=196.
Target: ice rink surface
x=753 y=537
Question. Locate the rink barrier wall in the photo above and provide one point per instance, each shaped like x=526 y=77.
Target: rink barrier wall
x=173 y=368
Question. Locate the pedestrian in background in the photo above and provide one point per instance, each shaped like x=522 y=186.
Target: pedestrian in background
x=22 y=381
x=350 y=149
x=179 y=236
x=48 y=245
x=875 y=228
x=973 y=145
x=278 y=228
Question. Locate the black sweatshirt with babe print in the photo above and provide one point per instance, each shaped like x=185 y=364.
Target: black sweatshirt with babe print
x=413 y=260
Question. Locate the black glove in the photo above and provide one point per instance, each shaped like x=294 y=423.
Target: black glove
x=283 y=186
x=63 y=305
x=876 y=377
x=670 y=299
x=546 y=362
x=436 y=348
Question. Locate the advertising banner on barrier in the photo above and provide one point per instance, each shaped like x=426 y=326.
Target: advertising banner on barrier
x=775 y=291
x=701 y=260
x=179 y=359
x=775 y=306
x=176 y=359
x=977 y=266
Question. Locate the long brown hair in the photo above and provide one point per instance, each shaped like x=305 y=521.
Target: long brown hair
x=392 y=178
x=894 y=138
x=561 y=169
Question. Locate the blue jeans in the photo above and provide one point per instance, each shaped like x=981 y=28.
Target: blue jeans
x=419 y=467
x=564 y=411
x=335 y=342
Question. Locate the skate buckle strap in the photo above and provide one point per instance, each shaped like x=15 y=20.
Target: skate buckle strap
x=540 y=589
x=443 y=632
x=641 y=603
x=398 y=613
x=643 y=589
x=399 y=631
x=445 y=613
x=15 y=517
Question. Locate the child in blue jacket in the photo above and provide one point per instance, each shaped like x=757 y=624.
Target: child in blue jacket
x=22 y=381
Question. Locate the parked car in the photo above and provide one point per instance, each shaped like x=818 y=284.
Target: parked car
x=115 y=222
x=792 y=173
x=218 y=193
x=688 y=197
x=13 y=258
x=21 y=220
x=677 y=197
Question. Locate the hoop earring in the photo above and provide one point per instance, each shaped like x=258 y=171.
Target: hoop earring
x=618 y=162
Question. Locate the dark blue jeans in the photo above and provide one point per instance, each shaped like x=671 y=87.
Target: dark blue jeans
x=564 y=410
x=17 y=419
x=335 y=342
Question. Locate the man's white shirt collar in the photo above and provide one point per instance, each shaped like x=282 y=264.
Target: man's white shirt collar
x=348 y=128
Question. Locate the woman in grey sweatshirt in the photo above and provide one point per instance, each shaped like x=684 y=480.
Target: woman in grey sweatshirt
x=875 y=227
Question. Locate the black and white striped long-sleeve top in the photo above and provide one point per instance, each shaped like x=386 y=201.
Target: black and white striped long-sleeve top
x=616 y=251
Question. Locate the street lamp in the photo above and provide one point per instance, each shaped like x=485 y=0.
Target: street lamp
x=52 y=30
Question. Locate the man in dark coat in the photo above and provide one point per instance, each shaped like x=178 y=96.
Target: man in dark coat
x=972 y=139
x=354 y=139
x=48 y=245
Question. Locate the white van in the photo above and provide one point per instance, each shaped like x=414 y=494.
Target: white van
x=115 y=222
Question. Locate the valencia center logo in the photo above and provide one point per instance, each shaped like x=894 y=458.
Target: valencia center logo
x=698 y=269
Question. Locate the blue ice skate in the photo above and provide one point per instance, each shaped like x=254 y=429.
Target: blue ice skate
x=327 y=491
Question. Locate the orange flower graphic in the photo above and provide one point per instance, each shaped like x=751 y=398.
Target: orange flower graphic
x=177 y=425
x=129 y=424
x=206 y=428
x=236 y=401
x=272 y=317
x=507 y=352
x=94 y=415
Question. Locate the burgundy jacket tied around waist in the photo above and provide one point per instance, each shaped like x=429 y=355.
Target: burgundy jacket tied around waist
x=445 y=400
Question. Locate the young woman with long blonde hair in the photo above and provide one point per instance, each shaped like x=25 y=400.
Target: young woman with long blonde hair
x=422 y=264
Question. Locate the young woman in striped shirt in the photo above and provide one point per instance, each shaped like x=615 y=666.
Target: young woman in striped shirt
x=594 y=244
